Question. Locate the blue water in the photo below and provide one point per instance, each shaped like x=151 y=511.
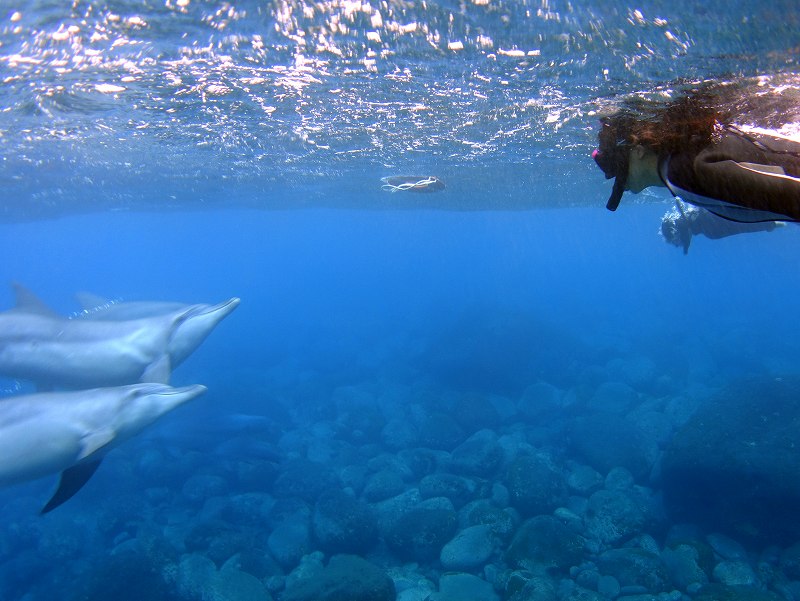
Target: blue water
x=233 y=158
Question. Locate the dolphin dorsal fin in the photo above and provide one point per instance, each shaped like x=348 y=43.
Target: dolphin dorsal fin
x=91 y=302
x=27 y=302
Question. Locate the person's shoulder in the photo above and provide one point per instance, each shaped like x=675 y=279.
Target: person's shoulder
x=763 y=140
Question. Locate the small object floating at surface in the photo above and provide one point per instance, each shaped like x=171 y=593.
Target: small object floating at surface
x=412 y=183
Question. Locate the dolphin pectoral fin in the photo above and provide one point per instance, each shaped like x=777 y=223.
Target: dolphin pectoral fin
x=95 y=441
x=71 y=481
x=158 y=371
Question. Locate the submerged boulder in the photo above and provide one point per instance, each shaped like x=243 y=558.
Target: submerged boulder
x=343 y=524
x=733 y=465
x=469 y=549
x=543 y=544
x=536 y=485
x=345 y=578
x=605 y=441
x=420 y=533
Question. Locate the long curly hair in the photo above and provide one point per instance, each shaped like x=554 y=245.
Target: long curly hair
x=687 y=123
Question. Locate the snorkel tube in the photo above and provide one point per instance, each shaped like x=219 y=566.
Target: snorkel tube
x=612 y=158
x=621 y=176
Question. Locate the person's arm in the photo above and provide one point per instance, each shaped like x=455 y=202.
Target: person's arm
x=759 y=177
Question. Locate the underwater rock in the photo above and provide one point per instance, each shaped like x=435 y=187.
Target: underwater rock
x=608 y=586
x=680 y=408
x=389 y=511
x=304 y=479
x=352 y=477
x=479 y=455
x=456 y=488
x=309 y=567
x=201 y=487
x=359 y=418
x=616 y=398
x=460 y=587
x=383 y=485
x=722 y=592
x=290 y=540
x=256 y=474
x=570 y=519
x=634 y=567
x=217 y=539
x=257 y=562
x=735 y=573
x=251 y=509
x=684 y=565
x=544 y=544
x=196 y=578
x=345 y=578
x=732 y=466
x=343 y=524
x=232 y=583
x=726 y=547
x=410 y=584
x=605 y=441
x=790 y=561
x=619 y=478
x=579 y=593
x=469 y=549
x=474 y=412
x=535 y=485
x=636 y=594
x=420 y=533
x=637 y=371
x=125 y=576
x=541 y=401
x=584 y=480
x=613 y=515
x=653 y=425
x=421 y=462
x=501 y=522
x=439 y=431
x=524 y=586
x=192 y=575
x=399 y=434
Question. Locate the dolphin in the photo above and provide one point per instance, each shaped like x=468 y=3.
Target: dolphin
x=70 y=432
x=55 y=352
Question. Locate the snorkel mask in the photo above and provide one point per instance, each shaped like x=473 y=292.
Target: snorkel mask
x=612 y=158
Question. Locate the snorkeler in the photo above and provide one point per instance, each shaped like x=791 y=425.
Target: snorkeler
x=684 y=221
x=692 y=147
x=412 y=183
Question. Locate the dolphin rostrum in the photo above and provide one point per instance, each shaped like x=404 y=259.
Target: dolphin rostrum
x=55 y=352
x=70 y=432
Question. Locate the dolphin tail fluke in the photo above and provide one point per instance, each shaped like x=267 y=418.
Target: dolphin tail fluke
x=71 y=481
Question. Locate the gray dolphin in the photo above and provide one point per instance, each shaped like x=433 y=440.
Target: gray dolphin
x=55 y=352
x=70 y=432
